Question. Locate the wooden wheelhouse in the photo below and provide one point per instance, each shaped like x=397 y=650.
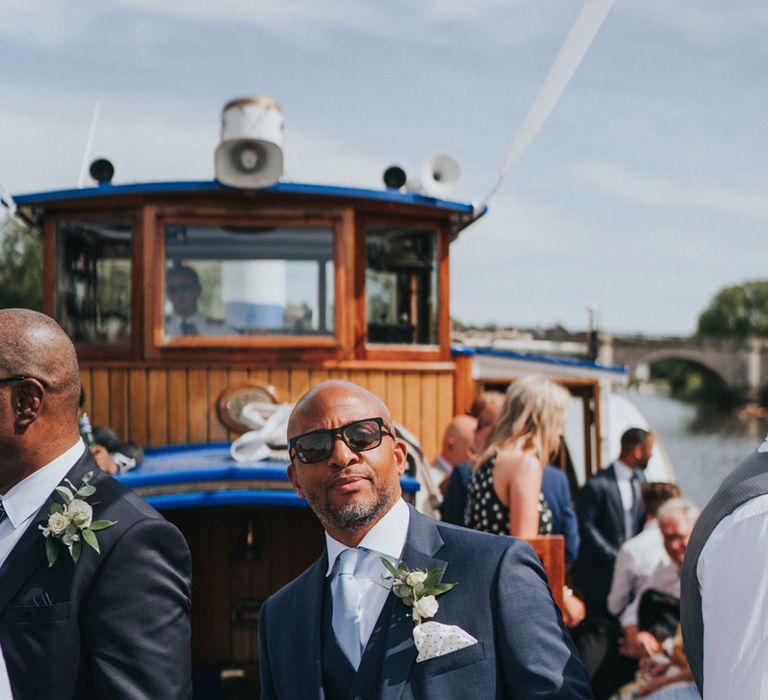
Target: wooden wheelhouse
x=297 y=284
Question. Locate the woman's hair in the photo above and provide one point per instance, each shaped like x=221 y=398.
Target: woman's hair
x=532 y=418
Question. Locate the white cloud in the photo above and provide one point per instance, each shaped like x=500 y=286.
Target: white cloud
x=619 y=182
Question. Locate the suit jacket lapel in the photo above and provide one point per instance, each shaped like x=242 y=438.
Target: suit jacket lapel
x=422 y=542
x=307 y=624
x=616 y=504
x=29 y=552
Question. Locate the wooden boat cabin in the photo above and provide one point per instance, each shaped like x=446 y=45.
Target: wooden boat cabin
x=291 y=284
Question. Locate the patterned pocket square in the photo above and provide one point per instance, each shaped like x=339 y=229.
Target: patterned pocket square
x=435 y=639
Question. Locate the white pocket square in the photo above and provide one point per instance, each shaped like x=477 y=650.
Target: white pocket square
x=435 y=639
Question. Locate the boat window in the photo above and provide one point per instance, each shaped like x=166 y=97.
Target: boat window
x=401 y=285
x=223 y=281
x=93 y=300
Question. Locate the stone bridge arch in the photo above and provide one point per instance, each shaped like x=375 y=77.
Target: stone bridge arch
x=742 y=364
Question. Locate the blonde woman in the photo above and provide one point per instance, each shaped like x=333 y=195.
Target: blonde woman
x=505 y=490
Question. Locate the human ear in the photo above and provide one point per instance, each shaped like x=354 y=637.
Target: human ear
x=28 y=396
x=401 y=456
x=292 y=475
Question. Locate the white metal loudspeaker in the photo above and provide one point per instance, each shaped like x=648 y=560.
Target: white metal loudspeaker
x=250 y=153
x=439 y=175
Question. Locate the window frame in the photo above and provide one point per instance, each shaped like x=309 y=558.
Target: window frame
x=157 y=345
x=402 y=351
x=53 y=239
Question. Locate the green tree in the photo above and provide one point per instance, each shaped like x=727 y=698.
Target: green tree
x=737 y=311
x=21 y=266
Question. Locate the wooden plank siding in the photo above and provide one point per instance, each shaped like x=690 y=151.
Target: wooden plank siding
x=177 y=405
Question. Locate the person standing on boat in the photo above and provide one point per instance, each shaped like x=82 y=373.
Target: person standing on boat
x=610 y=511
x=94 y=584
x=487 y=624
x=458 y=447
x=724 y=590
x=183 y=289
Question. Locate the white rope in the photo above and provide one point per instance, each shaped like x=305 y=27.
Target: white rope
x=574 y=48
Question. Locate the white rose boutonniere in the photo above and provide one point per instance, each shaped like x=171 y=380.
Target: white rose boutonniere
x=419 y=590
x=71 y=522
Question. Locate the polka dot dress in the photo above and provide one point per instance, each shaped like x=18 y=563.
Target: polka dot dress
x=484 y=510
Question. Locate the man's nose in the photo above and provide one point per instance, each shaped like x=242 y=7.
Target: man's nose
x=341 y=454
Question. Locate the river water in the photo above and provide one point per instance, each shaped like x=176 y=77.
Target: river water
x=702 y=447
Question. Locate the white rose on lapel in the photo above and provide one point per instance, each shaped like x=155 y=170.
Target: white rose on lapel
x=80 y=512
x=71 y=522
x=425 y=607
x=416 y=588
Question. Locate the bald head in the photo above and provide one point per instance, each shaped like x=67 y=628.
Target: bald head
x=459 y=440
x=34 y=345
x=327 y=398
x=39 y=399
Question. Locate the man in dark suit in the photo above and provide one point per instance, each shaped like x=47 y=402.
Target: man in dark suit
x=610 y=511
x=76 y=622
x=349 y=635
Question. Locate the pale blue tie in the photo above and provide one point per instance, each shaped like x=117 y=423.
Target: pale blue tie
x=346 y=607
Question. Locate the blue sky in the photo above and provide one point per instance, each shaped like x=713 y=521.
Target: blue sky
x=644 y=193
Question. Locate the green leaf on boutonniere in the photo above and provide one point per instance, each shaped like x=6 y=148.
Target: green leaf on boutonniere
x=85 y=491
x=57 y=507
x=52 y=548
x=90 y=539
x=97 y=525
x=392 y=570
x=65 y=493
x=74 y=550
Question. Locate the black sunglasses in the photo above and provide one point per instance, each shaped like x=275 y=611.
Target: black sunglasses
x=19 y=378
x=359 y=436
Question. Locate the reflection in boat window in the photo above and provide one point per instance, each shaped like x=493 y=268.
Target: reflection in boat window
x=244 y=280
x=401 y=285
x=93 y=300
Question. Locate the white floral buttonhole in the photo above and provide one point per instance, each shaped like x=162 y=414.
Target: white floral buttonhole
x=71 y=522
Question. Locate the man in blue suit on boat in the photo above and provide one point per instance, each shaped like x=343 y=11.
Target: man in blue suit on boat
x=337 y=631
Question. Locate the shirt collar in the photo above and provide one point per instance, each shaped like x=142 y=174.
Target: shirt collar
x=443 y=463
x=386 y=537
x=29 y=495
x=622 y=470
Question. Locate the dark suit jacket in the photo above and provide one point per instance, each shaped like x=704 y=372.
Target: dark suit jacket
x=557 y=493
x=601 y=525
x=502 y=599
x=114 y=625
x=554 y=487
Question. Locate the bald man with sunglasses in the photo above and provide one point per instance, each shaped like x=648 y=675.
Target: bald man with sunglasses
x=337 y=631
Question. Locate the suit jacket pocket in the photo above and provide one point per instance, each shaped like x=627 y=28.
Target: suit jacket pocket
x=25 y=614
x=454 y=660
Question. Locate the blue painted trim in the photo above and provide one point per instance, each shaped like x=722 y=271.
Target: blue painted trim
x=214 y=186
x=215 y=499
x=564 y=361
x=191 y=476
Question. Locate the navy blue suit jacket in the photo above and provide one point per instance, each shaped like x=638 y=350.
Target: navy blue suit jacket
x=502 y=599
x=601 y=523
x=554 y=487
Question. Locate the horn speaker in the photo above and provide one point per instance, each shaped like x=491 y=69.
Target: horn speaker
x=250 y=153
x=439 y=174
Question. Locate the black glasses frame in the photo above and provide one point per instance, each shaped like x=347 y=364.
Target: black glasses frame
x=333 y=433
x=21 y=378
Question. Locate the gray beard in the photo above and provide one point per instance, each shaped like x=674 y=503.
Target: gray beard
x=354 y=516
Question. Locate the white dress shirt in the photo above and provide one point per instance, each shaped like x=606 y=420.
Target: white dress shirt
x=733 y=581
x=385 y=539
x=624 y=480
x=636 y=561
x=20 y=504
x=665 y=579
